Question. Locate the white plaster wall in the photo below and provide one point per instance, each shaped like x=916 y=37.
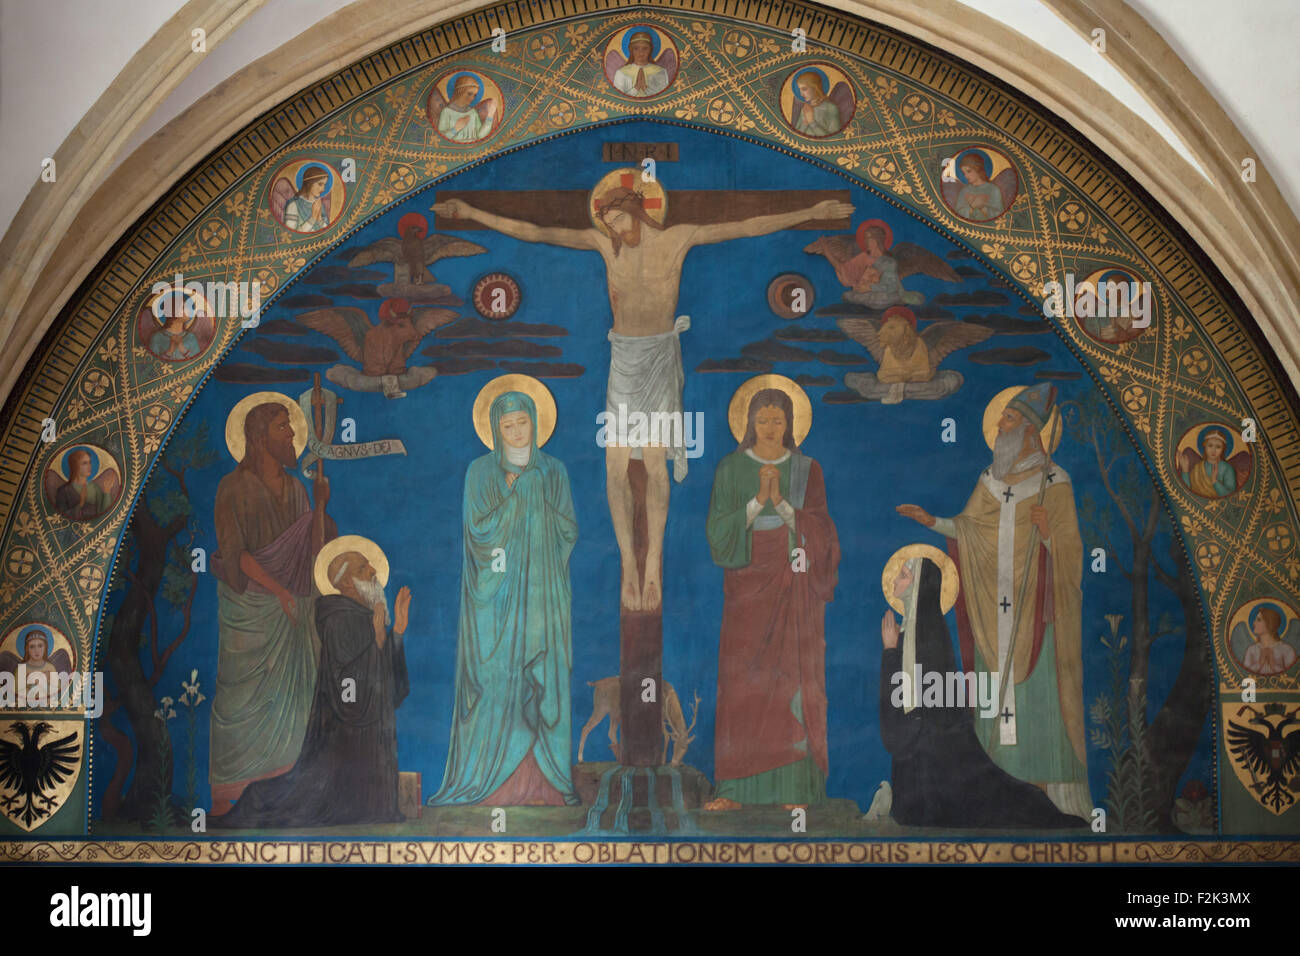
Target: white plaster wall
x=57 y=56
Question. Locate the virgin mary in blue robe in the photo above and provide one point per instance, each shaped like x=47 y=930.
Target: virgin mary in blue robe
x=510 y=735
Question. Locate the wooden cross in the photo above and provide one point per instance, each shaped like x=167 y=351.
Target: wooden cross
x=640 y=632
x=568 y=208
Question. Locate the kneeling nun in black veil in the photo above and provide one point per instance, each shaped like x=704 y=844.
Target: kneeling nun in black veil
x=941 y=774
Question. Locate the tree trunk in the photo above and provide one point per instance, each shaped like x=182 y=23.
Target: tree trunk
x=134 y=693
x=1176 y=729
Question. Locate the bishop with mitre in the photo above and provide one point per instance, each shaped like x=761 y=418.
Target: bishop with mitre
x=1020 y=559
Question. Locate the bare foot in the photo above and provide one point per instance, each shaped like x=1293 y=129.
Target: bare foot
x=721 y=803
x=794 y=806
x=650 y=596
x=631 y=593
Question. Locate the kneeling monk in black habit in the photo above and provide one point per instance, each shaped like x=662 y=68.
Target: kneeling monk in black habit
x=941 y=774
x=347 y=771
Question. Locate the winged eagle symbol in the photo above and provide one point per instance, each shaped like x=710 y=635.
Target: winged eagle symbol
x=1269 y=754
x=32 y=770
x=411 y=255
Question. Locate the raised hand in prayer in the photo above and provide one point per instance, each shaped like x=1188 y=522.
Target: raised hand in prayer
x=889 y=631
x=401 y=608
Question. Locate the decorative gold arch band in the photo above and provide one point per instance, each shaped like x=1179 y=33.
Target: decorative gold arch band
x=99 y=384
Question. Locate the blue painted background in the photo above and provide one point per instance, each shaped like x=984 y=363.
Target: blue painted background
x=873 y=456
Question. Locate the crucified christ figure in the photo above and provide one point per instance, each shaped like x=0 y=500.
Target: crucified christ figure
x=643 y=265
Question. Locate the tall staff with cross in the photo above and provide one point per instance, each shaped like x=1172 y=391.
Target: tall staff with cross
x=643 y=251
x=1020 y=560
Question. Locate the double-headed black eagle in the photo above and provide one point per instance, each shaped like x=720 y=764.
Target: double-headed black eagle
x=32 y=770
x=1273 y=756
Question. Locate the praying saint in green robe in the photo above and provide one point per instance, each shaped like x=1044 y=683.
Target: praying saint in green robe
x=510 y=737
x=817 y=115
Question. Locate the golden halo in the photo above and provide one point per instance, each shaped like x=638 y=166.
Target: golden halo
x=349 y=542
x=1051 y=435
x=738 y=412
x=235 y=421
x=106 y=461
x=614 y=179
x=539 y=393
x=57 y=641
x=152 y=302
x=947 y=591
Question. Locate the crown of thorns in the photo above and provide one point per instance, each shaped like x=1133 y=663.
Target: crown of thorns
x=631 y=195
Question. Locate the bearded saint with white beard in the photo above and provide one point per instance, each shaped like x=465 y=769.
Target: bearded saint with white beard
x=347 y=772
x=1029 y=632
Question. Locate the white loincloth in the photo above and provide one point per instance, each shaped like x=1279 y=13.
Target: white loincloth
x=645 y=375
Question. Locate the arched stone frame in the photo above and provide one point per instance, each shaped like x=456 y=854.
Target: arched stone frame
x=210 y=181
x=1247 y=229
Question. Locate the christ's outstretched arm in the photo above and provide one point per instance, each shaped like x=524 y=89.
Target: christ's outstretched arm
x=517 y=228
x=762 y=225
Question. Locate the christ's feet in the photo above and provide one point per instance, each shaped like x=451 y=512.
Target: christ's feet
x=721 y=803
x=794 y=806
x=652 y=589
x=650 y=596
x=631 y=591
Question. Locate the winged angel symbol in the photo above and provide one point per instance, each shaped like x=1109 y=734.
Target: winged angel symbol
x=1269 y=754
x=872 y=267
x=32 y=770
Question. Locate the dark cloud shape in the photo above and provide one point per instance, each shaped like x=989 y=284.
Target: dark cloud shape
x=925 y=313
x=806 y=333
x=290 y=353
x=815 y=381
x=282 y=327
x=241 y=373
x=326 y=274
x=307 y=300
x=1021 y=355
x=1006 y=325
x=959 y=253
x=832 y=357
x=478 y=348
x=734 y=365
x=968 y=272
x=997 y=281
x=544 y=369
x=1035 y=310
x=1053 y=375
x=461 y=366
x=356 y=290
x=849 y=309
x=984 y=297
x=769 y=350
x=476 y=328
x=844 y=397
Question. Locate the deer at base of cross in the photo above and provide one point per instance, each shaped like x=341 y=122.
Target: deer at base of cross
x=605 y=703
